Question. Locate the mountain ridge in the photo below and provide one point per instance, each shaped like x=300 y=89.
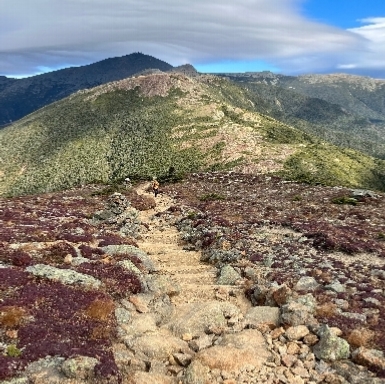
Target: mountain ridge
x=344 y=109
x=19 y=97
x=147 y=125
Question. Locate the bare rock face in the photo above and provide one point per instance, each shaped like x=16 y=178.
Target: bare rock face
x=235 y=353
x=198 y=318
x=157 y=345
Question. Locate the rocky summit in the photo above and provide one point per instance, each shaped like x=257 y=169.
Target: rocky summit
x=222 y=278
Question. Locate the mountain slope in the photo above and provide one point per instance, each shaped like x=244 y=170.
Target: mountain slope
x=166 y=124
x=346 y=110
x=19 y=97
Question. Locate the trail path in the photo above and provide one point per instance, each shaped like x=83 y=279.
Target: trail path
x=196 y=279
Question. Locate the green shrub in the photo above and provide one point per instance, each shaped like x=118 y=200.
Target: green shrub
x=13 y=351
x=344 y=200
x=211 y=197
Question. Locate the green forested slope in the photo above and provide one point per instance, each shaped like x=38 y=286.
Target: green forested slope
x=148 y=125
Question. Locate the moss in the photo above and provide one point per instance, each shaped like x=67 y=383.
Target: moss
x=211 y=197
x=344 y=200
x=13 y=351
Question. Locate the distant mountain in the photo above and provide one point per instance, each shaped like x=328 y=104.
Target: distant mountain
x=19 y=97
x=168 y=125
x=344 y=109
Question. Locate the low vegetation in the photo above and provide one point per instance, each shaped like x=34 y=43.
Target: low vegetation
x=166 y=125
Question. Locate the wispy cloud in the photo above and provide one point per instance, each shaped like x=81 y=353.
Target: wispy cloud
x=372 y=57
x=55 y=33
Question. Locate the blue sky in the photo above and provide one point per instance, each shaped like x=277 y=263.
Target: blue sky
x=284 y=36
x=343 y=13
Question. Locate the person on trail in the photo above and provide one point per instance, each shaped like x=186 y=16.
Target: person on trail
x=127 y=182
x=155 y=186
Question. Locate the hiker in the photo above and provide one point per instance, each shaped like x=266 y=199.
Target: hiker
x=127 y=182
x=155 y=186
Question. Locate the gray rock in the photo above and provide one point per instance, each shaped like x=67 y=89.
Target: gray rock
x=130 y=249
x=355 y=374
x=79 y=367
x=65 y=276
x=183 y=359
x=306 y=283
x=355 y=316
x=196 y=373
x=308 y=301
x=79 y=260
x=251 y=274
x=336 y=287
x=123 y=316
x=358 y=193
x=160 y=285
x=162 y=308
x=228 y=276
x=331 y=347
x=201 y=342
x=46 y=370
x=17 y=380
x=262 y=314
x=299 y=311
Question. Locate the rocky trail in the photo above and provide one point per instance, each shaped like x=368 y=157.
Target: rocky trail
x=146 y=307
x=210 y=333
x=196 y=280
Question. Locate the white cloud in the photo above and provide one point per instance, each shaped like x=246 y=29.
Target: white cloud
x=53 y=33
x=373 y=56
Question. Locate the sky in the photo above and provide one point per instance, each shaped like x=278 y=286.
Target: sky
x=284 y=36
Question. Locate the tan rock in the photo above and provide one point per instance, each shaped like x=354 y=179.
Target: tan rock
x=288 y=360
x=299 y=371
x=68 y=259
x=293 y=348
x=139 y=304
x=372 y=358
x=297 y=332
x=277 y=332
x=158 y=345
x=310 y=339
x=335 y=331
x=153 y=378
x=187 y=337
x=199 y=317
x=231 y=358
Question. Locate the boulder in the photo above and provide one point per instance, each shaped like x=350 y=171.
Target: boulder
x=371 y=358
x=199 y=318
x=262 y=314
x=306 y=283
x=331 y=347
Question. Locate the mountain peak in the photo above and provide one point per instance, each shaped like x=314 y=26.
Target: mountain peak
x=186 y=69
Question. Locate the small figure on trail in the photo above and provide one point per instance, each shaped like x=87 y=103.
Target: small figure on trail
x=155 y=186
x=127 y=182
